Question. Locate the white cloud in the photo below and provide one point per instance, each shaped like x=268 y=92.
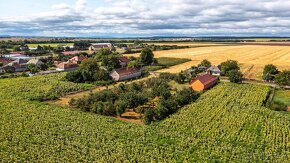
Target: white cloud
x=157 y=17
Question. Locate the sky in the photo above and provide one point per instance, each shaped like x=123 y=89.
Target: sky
x=144 y=18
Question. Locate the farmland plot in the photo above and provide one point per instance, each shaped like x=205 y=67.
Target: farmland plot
x=251 y=57
x=228 y=123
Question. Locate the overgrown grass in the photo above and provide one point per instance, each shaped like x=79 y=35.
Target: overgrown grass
x=282 y=96
x=165 y=62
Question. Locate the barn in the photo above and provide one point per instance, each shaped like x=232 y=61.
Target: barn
x=122 y=74
x=203 y=82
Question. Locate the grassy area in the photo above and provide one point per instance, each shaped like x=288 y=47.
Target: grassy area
x=51 y=44
x=282 y=96
x=165 y=62
x=178 y=86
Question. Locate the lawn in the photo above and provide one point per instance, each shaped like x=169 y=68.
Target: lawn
x=50 y=44
x=282 y=96
x=164 y=62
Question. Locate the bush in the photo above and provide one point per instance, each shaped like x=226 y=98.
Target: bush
x=149 y=116
x=120 y=107
x=235 y=76
x=278 y=106
x=283 y=79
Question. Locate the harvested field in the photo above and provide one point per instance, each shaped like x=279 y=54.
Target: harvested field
x=251 y=57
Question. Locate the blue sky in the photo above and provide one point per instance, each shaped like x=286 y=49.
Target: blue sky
x=121 y=18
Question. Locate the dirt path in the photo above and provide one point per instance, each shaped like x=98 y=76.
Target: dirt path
x=64 y=101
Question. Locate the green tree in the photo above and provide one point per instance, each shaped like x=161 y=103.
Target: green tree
x=149 y=116
x=283 y=78
x=146 y=56
x=33 y=68
x=229 y=65
x=204 y=63
x=235 y=76
x=269 y=72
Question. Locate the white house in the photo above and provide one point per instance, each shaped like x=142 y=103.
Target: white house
x=98 y=46
x=122 y=74
x=214 y=70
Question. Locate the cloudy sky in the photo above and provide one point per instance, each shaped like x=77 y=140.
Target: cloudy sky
x=123 y=18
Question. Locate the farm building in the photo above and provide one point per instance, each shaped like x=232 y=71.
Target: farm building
x=98 y=46
x=35 y=61
x=67 y=66
x=19 y=65
x=78 y=59
x=214 y=70
x=123 y=61
x=203 y=82
x=122 y=74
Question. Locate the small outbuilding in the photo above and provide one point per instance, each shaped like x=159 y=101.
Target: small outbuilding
x=203 y=82
x=214 y=70
x=122 y=74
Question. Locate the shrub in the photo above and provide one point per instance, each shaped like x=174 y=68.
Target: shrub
x=235 y=76
x=149 y=116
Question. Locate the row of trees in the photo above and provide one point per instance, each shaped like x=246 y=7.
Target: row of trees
x=272 y=74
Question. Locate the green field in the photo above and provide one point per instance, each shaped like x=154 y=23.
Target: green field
x=282 y=96
x=228 y=124
x=51 y=44
x=164 y=62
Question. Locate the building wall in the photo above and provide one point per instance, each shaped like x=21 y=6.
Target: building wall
x=197 y=86
x=131 y=76
x=115 y=76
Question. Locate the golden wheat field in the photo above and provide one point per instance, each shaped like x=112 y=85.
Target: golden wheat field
x=251 y=57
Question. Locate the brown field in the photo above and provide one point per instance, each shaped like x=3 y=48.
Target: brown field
x=251 y=57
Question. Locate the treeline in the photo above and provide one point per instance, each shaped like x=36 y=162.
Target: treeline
x=154 y=98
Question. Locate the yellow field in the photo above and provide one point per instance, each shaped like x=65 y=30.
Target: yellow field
x=251 y=57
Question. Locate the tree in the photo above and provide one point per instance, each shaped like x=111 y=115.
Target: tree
x=111 y=62
x=283 y=79
x=1 y=64
x=16 y=48
x=133 y=64
x=161 y=89
x=229 y=65
x=269 y=72
x=120 y=107
x=235 y=76
x=146 y=56
x=33 y=68
x=82 y=45
x=149 y=116
x=205 y=63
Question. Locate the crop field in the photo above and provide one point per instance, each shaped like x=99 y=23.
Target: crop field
x=251 y=57
x=51 y=44
x=228 y=123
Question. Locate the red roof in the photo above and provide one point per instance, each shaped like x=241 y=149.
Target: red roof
x=127 y=71
x=205 y=79
x=79 y=58
x=5 y=60
x=124 y=59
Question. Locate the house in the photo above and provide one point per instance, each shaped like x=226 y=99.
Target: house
x=203 y=82
x=19 y=65
x=122 y=74
x=5 y=61
x=67 y=66
x=35 y=62
x=78 y=59
x=123 y=61
x=214 y=70
x=98 y=46
x=71 y=52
